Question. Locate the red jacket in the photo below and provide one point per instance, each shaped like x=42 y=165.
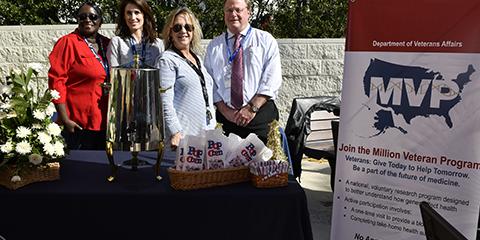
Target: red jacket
x=76 y=74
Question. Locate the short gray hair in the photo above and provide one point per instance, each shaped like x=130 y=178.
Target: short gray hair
x=248 y=2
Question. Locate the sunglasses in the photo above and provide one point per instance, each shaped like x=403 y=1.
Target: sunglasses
x=178 y=27
x=93 y=17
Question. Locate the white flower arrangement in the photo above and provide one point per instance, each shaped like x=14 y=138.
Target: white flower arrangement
x=28 y=136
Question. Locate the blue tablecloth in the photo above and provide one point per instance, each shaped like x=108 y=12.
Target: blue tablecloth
x=83 y=205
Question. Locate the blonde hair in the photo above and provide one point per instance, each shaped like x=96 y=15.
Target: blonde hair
x=197 y=30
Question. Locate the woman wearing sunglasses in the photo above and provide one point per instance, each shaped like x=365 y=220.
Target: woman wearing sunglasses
x=136 y=43
x=187 y=101
x=78 y=67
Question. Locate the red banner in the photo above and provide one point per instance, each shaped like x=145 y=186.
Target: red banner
x=414 y=26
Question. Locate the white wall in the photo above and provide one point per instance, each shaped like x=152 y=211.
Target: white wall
x=311 y=67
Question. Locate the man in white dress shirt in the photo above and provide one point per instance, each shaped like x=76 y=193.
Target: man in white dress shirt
x=251 y=109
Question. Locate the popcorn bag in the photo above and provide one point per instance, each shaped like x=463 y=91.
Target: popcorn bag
x=179 y=160
x=249 y=150
x=213 y=148
x=213 y=159
x=193 y=153
x=216 y=149
x=231 y=160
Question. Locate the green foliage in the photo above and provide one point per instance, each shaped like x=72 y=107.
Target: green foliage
x=291 y=18
x=29 y=12
x=317 y=19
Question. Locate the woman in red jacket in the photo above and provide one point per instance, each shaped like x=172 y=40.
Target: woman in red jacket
x=78 y=67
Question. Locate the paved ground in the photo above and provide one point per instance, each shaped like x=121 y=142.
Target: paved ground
x=315 y=181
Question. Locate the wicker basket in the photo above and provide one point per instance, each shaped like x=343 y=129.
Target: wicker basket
x=29 y=175
x=279 y=180
x=181 y=180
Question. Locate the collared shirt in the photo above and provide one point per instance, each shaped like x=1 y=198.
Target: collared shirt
x=120 y=52
x=80 y=90
x=261 y=61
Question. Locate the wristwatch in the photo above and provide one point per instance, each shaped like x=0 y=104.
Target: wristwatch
x=253 y=108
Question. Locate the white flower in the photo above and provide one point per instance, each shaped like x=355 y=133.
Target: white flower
x=40 y=115
x=23 y=147
x=23 y=132
x=35 y=159
x=50 y=110
x=44 y=138
x=59 y=149
x=49 y=149
x=6 y=89
x=11 y=115
x=37 y=67
x=55 y=94
x=6 y=105
x=7 y=147
x=36 y=126
x=16 y=178
x=53 y=129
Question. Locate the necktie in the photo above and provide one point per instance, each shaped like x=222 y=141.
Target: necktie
x=237 y=75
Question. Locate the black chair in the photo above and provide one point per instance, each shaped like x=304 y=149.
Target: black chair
x=436 y=227
x=298 y=129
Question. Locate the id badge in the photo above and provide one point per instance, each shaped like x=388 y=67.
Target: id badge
x=227 y=77
x=209 y=117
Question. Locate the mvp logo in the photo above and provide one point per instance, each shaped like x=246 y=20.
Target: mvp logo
x=411 y=92
x=392 y=90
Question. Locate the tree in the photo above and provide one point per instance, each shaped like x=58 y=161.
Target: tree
x=23 y=12
x=315 y=19
x=283 y=18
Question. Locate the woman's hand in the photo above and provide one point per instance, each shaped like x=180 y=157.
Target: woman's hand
x=70 y=125
x=63 y=119
x=175 y=140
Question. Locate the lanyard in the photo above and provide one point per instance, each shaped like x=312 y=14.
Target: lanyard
x=134 y=49
x=199 y=72
x=231 y=55
x=103 y=59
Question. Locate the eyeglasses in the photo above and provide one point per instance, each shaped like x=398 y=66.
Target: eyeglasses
x=93 y=17
x=178 y=27
x=232 y=10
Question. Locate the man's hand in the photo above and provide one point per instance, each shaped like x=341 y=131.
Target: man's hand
x=226 y=111
x=243 y=116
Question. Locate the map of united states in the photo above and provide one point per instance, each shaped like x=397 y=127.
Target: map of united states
x=411 y=91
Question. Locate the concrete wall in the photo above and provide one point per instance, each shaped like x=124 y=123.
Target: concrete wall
x=311 y=67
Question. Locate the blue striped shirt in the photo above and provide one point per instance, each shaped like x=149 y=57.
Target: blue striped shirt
x=183 y=105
